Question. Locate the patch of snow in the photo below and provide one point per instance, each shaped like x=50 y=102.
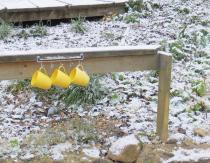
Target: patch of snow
x=56 y=150
x=27 y=156
x=188 y=155
x=178 y=136
x=92 y=152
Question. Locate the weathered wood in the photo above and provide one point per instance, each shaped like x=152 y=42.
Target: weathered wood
x=48 y=3
x=91 y=52
x=165 y=63
x=85 y=2
x=60 y=9
x=17 y=4
x=23 y=70
x=20 y=65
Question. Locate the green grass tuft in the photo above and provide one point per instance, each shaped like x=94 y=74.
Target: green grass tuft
x=136 y=5
x=18 y=86
x=84 y=95
x=5 y=29
x=38 y=30
x=78 y=25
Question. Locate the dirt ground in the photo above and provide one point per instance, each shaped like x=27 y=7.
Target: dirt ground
x=151 y=153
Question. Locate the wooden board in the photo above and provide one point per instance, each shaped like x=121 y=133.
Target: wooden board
x=17 y=4
x=20 y=65
x=48 y=3
x=85 y=2
x=24 y=70
x=90 y=52
x=30 y=10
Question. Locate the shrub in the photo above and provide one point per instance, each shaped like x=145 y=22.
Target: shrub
x=39 y=30
x=5 y=29
x=199 y=88
x=135 y=5
x=18 y=86
x=23 y=34
x=78 y=25
x=131 y=18
x=84 y=95
x=176 y=50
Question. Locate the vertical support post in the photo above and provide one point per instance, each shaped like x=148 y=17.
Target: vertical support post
x=165 y=62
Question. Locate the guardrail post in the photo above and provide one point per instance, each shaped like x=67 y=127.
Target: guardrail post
x=165 y=64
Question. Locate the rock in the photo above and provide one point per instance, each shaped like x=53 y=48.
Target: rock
x=200 y=132
x=92 y=152
x=125 y=149
x=100 y=160
x=176 y=138
x=188 y=142
x=171 y=141
x=52 y=111
x=181 y=130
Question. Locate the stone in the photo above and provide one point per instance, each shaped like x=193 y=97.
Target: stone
x=171 y=141
x=188 y=142
x=176 y=138
x=200 y=132
x=181 y=130
x=100 y=160
x=125 y=149
x=52 y=111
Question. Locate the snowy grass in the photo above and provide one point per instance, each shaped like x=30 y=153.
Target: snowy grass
x=189 y=155
x=132 y=96
x=5 y=29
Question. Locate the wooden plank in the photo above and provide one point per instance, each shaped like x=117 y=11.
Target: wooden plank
x=48 y=3
x=23 y=70
x=21 y=65
x=66 y=2
x=17 y=4
x=121 y=1
x=85 y=2
x=91 y=52
x=164 y=95
x=62 y=12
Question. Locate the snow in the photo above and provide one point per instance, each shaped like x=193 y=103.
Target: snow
x=92 y=152
x=136 y=104
x=178 y=136
x=194 y=155
x=57 y=150
x=118 y=146
x=28 y=156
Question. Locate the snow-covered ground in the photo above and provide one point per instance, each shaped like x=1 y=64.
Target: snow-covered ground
x=190 y=155
x=131 y=101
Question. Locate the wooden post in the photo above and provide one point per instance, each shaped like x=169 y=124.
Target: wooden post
x=165 y=62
